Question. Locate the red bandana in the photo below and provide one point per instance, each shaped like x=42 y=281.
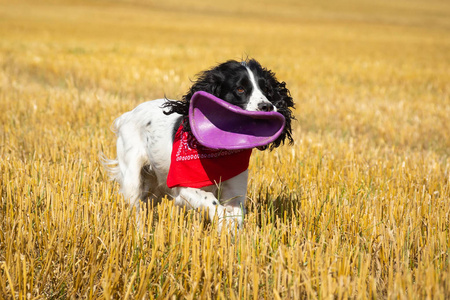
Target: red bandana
x=196 y=166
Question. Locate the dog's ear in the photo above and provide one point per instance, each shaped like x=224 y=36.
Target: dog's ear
x=209 y=81
x=281 y=98
x=284 y=104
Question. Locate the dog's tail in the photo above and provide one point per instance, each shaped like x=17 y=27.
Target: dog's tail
x=111 y=165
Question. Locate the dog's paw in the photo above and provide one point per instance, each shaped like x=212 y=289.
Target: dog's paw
x=231 y=218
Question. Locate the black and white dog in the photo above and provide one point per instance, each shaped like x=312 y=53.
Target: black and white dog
x=145 y=137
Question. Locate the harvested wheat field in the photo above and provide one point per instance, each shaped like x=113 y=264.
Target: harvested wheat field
x=358 y=207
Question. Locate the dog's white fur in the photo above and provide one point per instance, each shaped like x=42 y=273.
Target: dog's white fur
x=144 y=147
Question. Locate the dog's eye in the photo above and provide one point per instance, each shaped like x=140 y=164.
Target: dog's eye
x=240 y=90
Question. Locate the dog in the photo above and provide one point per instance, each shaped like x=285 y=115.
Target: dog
x=146 y=136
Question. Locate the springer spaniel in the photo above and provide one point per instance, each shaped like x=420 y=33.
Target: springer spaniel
x=146 y=136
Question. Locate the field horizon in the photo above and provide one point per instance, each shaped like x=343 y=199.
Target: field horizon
x=358 y=207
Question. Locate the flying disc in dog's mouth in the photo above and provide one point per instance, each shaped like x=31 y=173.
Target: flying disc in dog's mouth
x=218 y=124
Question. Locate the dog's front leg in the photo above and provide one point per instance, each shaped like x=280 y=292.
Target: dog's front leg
x=232 y=195
x=192 y=198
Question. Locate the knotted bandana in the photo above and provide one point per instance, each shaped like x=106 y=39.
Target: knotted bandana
x=196 y=166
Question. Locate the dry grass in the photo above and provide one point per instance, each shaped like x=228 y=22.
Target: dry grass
x=357 y=208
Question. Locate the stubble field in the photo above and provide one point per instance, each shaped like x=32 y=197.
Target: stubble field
x=358 y=207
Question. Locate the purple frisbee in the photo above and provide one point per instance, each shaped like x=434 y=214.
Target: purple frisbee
x=218 y=124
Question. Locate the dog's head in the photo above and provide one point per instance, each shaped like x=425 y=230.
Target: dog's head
x=247 y=85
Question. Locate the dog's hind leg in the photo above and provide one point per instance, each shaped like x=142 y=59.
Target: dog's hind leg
x=132 y=159
x=151 y=191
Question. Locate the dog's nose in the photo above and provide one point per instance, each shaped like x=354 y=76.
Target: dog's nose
x=265 y=106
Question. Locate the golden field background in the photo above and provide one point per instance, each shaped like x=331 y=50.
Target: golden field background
x=358 y=208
